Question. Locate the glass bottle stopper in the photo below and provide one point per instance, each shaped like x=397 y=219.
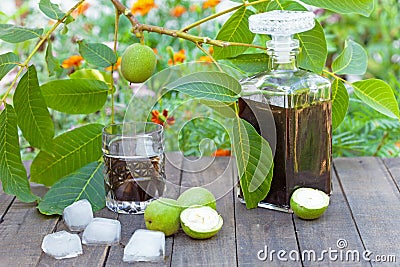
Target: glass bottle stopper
x=281 y=25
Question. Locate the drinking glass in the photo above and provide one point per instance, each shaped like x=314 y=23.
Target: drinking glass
x=134 y=165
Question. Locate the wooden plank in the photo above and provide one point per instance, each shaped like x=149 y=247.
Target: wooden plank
x=5 y=199
x=5 y=203
x=332 y=231
x=374 y=201
x=368 y=207
x=130 y=223
x=393 y=165
x=220 y=249
x=22 y=232
x=261 y=230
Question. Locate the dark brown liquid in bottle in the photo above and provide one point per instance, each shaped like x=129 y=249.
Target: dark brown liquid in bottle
x=303 y=146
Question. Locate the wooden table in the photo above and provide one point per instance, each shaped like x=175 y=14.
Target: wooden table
x=364 y=215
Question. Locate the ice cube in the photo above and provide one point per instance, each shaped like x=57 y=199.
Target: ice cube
x=62 y=245
x=78 y=215
x=102 y=231
x=145 y=245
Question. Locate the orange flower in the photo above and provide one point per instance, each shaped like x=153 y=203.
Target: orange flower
x=205 y=59
x=72 y=61
x=178 y=11
x=159 y=118
x=194 y=8
x=116 y=65
x=81 y=9
x=398 y=144
x=179 y=57
x=222 y=153
x=143 y=7
x=211 y=50
x=211 y=3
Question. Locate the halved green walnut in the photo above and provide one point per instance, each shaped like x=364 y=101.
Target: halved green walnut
x=201 y=222
x=309 y=203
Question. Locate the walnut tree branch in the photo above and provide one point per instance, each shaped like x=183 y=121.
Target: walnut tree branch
x=138 y=29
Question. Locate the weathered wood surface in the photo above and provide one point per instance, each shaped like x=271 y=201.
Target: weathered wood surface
x=361 y=222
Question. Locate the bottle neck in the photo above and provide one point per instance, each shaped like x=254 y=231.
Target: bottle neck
x=289 y=63
x=282 y=51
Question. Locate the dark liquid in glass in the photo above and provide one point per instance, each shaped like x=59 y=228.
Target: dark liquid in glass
x=303 y=146
x=134 y=178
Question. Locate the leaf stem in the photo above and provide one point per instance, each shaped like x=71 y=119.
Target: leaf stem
x=256 y=2
x=117 y=16
x=337 y=77
x=3 y=100
x=381 y=143
x=213 y=16
x=210 y=56
x=247 y=45
x=216 y=15
x=39 y=44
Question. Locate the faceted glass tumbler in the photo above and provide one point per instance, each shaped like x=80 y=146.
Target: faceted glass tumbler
x=134 y=165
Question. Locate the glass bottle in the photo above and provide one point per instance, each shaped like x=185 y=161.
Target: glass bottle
x=291 y=109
